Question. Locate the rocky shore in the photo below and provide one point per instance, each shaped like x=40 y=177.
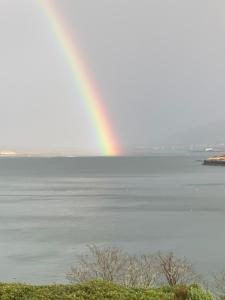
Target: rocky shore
x=215 y=160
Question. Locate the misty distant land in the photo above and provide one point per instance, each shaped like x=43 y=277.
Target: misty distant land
x=135 y=151
x=205 y=138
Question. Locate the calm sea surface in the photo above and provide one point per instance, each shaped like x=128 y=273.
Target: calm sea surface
x=51 y=208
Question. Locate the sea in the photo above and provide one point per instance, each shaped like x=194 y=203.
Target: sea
x=52 y=208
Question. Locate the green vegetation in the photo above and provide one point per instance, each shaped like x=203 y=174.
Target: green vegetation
x=107 y=273
x=99 y=290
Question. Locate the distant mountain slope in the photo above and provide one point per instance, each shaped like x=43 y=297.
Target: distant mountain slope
x=213 y=133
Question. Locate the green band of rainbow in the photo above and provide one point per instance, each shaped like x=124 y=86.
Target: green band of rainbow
x=106 y=138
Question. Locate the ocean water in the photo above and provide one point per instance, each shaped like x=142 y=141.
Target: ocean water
x=51 y=208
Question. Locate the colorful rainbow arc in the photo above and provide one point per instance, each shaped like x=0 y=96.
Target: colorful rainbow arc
x=106 y=138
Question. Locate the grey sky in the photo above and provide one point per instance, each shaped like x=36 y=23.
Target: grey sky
x=160 y=65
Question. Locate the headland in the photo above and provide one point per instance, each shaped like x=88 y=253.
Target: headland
x=215 y=161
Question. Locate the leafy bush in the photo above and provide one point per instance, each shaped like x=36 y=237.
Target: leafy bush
x=93 y=290
x=99 y=290
x=197 y=293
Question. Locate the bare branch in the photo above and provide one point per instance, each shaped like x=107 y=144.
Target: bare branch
x=175 y=270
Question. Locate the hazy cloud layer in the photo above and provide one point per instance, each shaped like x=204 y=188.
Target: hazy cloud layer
x=160 y=66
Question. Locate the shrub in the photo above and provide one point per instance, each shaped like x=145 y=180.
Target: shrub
x=142 y=271
x=175 y=270
x=197 y=293
x=93 y=290
x=111 y=264
x=99 y=290
x=181 y=293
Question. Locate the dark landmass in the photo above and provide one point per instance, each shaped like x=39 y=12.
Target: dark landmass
x=215 y=161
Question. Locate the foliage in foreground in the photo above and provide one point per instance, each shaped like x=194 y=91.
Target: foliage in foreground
x=99 y=290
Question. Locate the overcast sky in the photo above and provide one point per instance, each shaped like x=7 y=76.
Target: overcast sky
x=160 y=65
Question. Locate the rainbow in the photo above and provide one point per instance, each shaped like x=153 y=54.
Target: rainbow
x=106 y=139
